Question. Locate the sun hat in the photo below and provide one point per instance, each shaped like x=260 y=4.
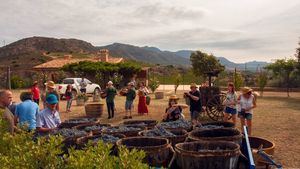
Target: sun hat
x=246 y=90
x=35 y=82
x=110 y=83
x=50 y=84
x=51 y=99
x=173 y=97
x=193 y=85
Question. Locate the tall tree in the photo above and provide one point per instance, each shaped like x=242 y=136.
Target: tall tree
x=261 y=80
x=203 y=63
x=283 y=68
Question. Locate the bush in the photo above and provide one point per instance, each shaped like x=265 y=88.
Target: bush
x=153 y=84
x=20 y=151
x=17 y=82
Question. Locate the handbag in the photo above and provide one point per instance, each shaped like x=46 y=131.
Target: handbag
x=148 y=99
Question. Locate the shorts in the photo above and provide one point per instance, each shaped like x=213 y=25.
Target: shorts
x=230 y=110
x=247 y=116
x=128 y=105
x=194 y=114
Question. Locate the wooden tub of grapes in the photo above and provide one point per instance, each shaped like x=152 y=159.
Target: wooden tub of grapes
x=220 y=134
x=158 y=151
x=94 y=128
x=174 y=136
x=77 y=121
x=207 y=155
x=148 y=123
x=128 y=131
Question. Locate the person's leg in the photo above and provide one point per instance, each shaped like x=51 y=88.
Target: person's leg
x=112 y=109
x=242 y=123
x=249 y=126
x=130 y=109
x=126 y=109
x=108 y=109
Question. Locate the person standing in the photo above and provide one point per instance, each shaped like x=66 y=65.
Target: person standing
x=130 y=96
x=110 y=92
x=7 y=116
x=231 y=101
x=48 y=119
x=27 y=111
x=246 y=102
x=50 y=89
x=35 y=92
x=83 y=85
x=69 y=97
x=142 y=93
x=195 y=103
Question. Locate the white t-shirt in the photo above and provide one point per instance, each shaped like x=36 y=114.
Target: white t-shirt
x=246 y=103
x=231 y=97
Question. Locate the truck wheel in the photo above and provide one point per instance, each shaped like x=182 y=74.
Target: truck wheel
x=97 y=91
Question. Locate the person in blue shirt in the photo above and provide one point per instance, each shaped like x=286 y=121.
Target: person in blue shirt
x=27 y=111
x=48 y=119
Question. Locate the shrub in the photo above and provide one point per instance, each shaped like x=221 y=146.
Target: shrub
x=21 y=152
x=153 y=84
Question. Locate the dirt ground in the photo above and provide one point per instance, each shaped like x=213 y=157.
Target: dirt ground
x=276 y=118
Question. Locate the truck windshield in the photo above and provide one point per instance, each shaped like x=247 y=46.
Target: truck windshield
x=68 y=81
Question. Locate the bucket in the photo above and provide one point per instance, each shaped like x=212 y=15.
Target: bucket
x=216 y=124
x=180 y=137
x=94 y=109
x=158 y=150
x=149 y=123
x=268 y=147
x=159 y=95
x=207 y=155
x=221 y=134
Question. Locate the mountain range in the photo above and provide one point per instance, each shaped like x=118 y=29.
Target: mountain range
x=29 y=52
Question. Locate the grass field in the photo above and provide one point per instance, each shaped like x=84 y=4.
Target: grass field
x=276 y=118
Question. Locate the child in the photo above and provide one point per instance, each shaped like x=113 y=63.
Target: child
x=69 y=97
x=130 y=96
x=231 y=101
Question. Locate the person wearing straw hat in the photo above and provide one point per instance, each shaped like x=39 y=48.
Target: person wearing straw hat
x=246 y=102
x=195 y=102
x=110 y=93
x=48 y=119
x=50 y=89
x=174 y=110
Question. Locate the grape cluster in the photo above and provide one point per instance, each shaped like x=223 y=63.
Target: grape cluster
x=107 y=139
x=181 y=123
x=81 y=120
x=121 y=129
x=159 y=131
x=95 y=127
x=65 y=132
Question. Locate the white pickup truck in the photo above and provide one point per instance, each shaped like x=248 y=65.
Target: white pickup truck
x=91 y=88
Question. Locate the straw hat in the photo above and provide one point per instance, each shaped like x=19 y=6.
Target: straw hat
x=110 y=83
x=193 y=85
x=50 y=84
x=245 y=90
x=173 y=97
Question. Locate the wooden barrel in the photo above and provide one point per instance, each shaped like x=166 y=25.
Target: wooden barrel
x=158 y=150
x=180 y=137
x=149 y=123
x=159 y=95
x=217 y=124
x=94 y=109
x=221 y=134
x=207 y=155
x=130 y=133
x=94 y=131
x=268 y=147
x=82 y=141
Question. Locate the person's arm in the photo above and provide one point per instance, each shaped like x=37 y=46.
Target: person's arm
x=193 y=97
x=10 y=119
x=183 y=106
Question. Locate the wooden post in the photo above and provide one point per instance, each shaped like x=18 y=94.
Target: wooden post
x=8 y=78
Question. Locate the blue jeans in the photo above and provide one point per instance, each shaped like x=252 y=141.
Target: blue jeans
x=69 y=103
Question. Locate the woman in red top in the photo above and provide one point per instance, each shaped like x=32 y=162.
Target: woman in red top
x=35 y=92
x=142 y=93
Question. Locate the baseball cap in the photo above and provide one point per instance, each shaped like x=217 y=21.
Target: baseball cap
x=51 y=99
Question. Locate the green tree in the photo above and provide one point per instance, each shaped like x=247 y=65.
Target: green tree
x=178 y=81
x=261 y=80
x=238 y=80
x=283 y=69
x=203 y=63
x=153 y=84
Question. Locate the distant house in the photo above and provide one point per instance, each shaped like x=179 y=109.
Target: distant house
x=51 y=68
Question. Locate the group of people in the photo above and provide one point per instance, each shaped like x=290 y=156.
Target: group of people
x=27 y=114
x=130 y=93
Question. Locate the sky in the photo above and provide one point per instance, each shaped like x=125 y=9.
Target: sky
x=240 y=30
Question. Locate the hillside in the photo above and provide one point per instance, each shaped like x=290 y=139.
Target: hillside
x=145 y=54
